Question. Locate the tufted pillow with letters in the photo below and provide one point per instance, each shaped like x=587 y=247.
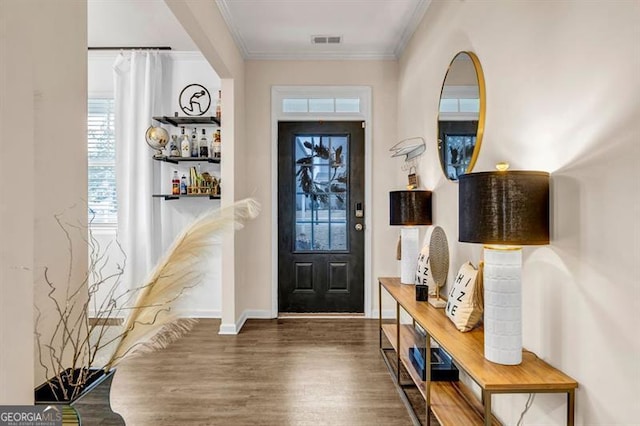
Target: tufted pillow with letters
x=464 y=306
x=423 y=271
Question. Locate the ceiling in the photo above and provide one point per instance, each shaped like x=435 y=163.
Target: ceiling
x=119 y=23
x=282 y=29
x=268 y=29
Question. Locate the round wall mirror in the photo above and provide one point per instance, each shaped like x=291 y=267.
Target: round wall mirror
x=461 y=115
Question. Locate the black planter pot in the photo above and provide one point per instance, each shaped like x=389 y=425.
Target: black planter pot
x=92 y=404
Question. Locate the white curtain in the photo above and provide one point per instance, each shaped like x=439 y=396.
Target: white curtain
x=138 y=84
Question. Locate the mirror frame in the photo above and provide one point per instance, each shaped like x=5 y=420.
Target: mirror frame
x=481 y=114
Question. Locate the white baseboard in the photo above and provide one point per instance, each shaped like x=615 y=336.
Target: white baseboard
x=386 y=313
x=248 y=314
x=201 y=313
x=192 y=313
x=227 y=329
x=265 y=314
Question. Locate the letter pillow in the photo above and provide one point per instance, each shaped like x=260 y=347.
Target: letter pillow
x=464 y=306
x=423 y=271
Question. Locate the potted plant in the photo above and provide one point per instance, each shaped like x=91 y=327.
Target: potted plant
x=81 y=355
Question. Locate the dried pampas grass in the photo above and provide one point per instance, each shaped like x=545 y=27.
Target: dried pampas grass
x=151 y=324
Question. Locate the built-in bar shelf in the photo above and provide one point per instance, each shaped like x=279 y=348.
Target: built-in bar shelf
x=176 y=160
x=183 y=121
x=177 y=197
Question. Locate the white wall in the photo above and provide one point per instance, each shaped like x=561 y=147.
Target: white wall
x=100 y=80
x=185 y=68
x=45 y=108
x=205 y=25
x=204 y=300
x=261 y=75
x=563 y=83
x=17 y=217
x=60 y=152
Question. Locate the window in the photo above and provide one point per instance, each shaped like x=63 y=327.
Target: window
x=321 y=105
x=459 y=103
x=322 y=192
x=103 y=202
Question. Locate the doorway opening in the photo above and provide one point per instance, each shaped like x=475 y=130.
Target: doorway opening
x=320 y=216
x=313 y=105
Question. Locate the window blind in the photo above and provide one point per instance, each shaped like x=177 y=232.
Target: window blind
x=103 y=202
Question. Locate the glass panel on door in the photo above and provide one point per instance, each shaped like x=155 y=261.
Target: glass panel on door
x=322 y=196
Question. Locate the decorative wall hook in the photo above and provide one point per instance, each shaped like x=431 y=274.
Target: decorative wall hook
x=410 y=147
x=410 y=164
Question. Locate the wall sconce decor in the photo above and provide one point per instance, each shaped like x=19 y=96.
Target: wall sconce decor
x=409 y=209
x=412 y=149
x=503 y=210
x=194 y=100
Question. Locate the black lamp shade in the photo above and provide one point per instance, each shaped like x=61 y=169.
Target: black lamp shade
x=508 y=207
x=410 y=208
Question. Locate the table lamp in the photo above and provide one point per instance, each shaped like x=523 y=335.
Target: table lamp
x=503 y=210
x=409 y=209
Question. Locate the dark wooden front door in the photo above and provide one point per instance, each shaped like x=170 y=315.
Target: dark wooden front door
x=321 y=216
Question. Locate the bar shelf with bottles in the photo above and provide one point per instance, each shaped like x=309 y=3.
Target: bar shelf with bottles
x=177 y=197
x=206 y=148
x=199 y=120
x=199 y=184
x=197 y=148
x=178 y=159
x=185 y=121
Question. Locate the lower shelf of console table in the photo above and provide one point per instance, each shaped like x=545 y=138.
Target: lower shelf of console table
x=452 y=403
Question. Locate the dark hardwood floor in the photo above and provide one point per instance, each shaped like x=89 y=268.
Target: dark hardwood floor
x=275 y=372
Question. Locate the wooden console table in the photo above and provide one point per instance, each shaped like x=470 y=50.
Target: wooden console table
x=451 y=402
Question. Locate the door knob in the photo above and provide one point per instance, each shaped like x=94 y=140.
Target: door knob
x=359 y=227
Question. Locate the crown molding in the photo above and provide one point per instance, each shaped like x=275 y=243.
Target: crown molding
x=322 y=56
x=416 y=17
x=223 y=6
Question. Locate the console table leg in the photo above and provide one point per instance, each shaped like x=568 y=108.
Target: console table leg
x=427 y=367
x=427 y=416
x=486 y=399
x=398 y=340
x=571 y=402
x=380 y=313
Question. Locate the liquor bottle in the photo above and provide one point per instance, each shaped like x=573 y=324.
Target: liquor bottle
x=212 y=150
x=219 y=106
x=173 y=149
x=175 y=183
x=194 y=143
x=185 y=147
x=183 y=185
x=204 y=148
x=217 y=145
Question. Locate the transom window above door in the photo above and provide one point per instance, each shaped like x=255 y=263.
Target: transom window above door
x=321 y=105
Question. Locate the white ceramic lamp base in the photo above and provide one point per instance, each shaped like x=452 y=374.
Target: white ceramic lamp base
x=503 y=305
x=409 y=257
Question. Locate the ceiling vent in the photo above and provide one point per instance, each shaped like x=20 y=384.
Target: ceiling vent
x=325 y=39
